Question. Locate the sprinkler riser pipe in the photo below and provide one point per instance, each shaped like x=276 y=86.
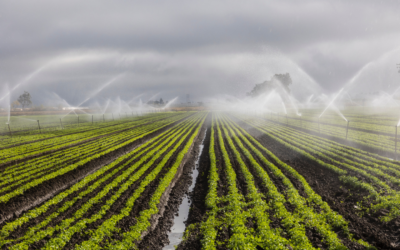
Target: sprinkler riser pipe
x=61 y=124
x=9 y=129
x=395 y=145
x=39 y=126
x=347 y=129
x=319 y=126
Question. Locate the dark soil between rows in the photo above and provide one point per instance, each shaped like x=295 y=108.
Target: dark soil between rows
x=4 y=165
x=339 y=140
x=158 y=238
x=36 y=195
x=78 y=132
x=20 y=231
x=340 y=197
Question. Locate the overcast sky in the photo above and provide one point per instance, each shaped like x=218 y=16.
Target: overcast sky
x=202 y=48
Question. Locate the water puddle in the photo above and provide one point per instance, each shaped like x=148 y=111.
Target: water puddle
x=175 y=236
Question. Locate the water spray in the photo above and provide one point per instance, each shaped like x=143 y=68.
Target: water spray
x=347 y=129
x=319 y=126
x=39 y=126
x=395 y=144
x=9 y=129
x=331 y=102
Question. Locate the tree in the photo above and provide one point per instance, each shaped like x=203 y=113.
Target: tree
x=25 y=99
x=15 y=104
x=277 y=80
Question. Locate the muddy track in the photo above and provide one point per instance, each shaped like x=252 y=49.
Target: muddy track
x=341 y=198
x=198 y=208
x=46 y=190
x=158 y=238
x=4 y=165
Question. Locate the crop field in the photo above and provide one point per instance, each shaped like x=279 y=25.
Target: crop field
x=264 y=182
x=376 y=131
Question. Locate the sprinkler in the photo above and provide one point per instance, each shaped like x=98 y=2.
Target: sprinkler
x=78 y=120
x=395 y=145
x=301 y=122
x=39 y=126
x=92 y=119
x=112 y=116
x=347 y=129
x=9 y=129
x=61 y=124
x=103 y=118
x=319 y=126
x=287 y=121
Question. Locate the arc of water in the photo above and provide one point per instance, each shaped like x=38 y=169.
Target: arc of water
x=331 y=102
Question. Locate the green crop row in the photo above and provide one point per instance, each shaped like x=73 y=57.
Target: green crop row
x=19 y=152
x=36 y=233
x=321 y=221
x=7 y=141
x=143 y=221
x=301 y=143
x=21 y=189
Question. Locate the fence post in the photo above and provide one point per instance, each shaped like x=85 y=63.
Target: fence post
x=301 y=121
x=61 y=124
x=319 y=126
x=347 y=129
x=39 y=126
x=395 y=146
x=9 y=129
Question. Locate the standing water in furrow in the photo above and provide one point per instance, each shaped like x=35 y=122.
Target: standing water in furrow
x=175 y=236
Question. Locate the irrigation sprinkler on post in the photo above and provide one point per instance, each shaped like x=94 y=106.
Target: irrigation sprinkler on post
x=395 y=145
x=9 y=129
x=92 y=119
x=287 y=121
x=112 y=116
x=301 y=121
x=61 y=124
x=132 y=113
x=78 y=120
x=347 y=129
x=103 y=118
x=39 y=126
x=319 y=126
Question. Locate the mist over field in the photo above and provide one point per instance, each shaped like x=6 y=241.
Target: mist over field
x=205 y=49
x=201 y=125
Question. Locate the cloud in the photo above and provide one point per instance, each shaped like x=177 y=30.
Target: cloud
x=177 y=47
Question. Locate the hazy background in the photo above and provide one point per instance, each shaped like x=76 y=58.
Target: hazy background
x=201 y=48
